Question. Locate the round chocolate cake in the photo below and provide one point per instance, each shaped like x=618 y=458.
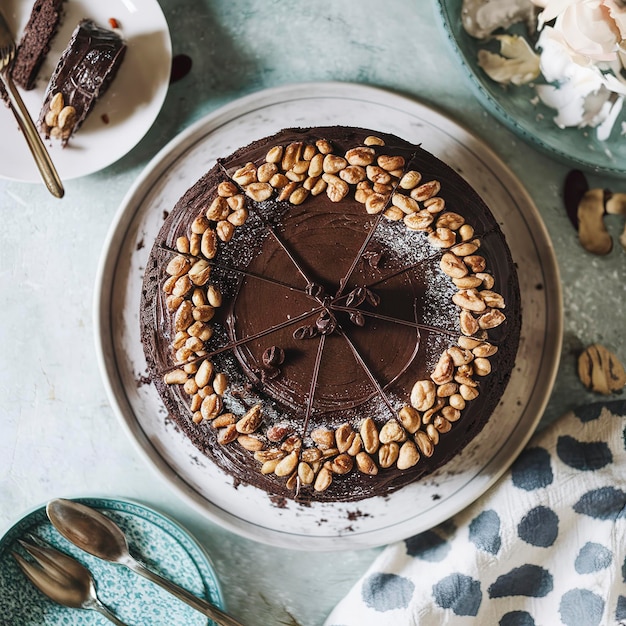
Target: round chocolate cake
x=330 y=314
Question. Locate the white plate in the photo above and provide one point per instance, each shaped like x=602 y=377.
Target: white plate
x=131 y=103
x=245 y=509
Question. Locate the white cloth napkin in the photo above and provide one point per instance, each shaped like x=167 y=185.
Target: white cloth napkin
x=546 y=545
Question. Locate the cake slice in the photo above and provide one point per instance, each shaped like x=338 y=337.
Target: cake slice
x=34 y=45
x=83 y=74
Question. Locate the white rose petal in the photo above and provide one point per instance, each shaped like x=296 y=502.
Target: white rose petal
x=605 y=127
x=518 y=64
x=618 y=12
x=588 y=32
x=552 y=8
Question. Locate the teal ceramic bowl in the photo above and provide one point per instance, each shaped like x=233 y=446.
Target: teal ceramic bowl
x=517 y=108
x=157 y=540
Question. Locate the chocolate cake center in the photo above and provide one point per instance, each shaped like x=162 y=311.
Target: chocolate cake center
x=344 y=318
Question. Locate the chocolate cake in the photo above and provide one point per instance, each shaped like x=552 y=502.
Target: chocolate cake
x=84 y=72
x=34 y=45
x=330 y=314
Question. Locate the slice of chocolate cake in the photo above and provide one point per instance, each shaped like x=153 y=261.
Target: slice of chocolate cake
x=83 y=74
x=35 y=42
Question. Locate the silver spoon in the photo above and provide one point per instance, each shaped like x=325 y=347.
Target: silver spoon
x=62 y=578
x=100 y=536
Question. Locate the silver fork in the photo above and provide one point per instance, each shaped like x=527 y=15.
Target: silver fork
x=42 y=158
x=61 y=577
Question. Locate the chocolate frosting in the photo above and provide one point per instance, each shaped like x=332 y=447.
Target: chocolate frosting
x=356 y=306
x=85 y=70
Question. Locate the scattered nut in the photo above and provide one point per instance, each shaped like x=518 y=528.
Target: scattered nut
x=392 y=431
x=408 y=456
x=423 y=395
x=592 y=232
x=366 y=464
x=251 y=420
x=600 y=370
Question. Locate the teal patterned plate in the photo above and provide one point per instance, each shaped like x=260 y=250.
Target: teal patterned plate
x=156 y=540
x=517 y=108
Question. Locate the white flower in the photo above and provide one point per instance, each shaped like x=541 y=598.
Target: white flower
x=581 y=94
x=583 y=55
x=593 y=29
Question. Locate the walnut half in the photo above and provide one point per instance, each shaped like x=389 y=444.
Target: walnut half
x=600 y=370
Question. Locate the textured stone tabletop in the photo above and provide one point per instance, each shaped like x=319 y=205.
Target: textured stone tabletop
x=58 y=434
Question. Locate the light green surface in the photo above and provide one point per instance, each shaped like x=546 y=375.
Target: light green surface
x=59 y=437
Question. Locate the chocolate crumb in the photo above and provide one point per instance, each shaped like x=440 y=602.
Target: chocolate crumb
x=279 y=501
x=574 y=189
x=181 y=66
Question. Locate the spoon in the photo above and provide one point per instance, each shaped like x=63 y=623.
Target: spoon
x=62 y=578
x=100 y=536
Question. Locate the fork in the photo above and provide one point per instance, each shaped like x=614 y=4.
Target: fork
x=61 y=577
x=42 y=158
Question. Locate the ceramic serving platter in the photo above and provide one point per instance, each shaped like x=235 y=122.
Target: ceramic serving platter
x=155 y=539
x=244 y=509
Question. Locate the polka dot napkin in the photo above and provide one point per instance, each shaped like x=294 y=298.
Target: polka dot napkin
x=546 y=545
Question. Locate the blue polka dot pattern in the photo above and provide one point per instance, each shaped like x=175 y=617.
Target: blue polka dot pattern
x=460 y=593
x=539 y=527
x=581 y=607
x=386 y=592
x=532 y=470
x=528 y=580
x=584 y=456
x=484 y=532
x=593 y=557
x=428 y=546
x=590 y=412
x=605 y=503
x=517 y=618
x=542 y=546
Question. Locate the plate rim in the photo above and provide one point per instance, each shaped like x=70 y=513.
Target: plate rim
x=502 y=115
x=122 y=219
x=32 y=176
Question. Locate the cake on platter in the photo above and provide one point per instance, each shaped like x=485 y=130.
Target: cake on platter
x=330 y=314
